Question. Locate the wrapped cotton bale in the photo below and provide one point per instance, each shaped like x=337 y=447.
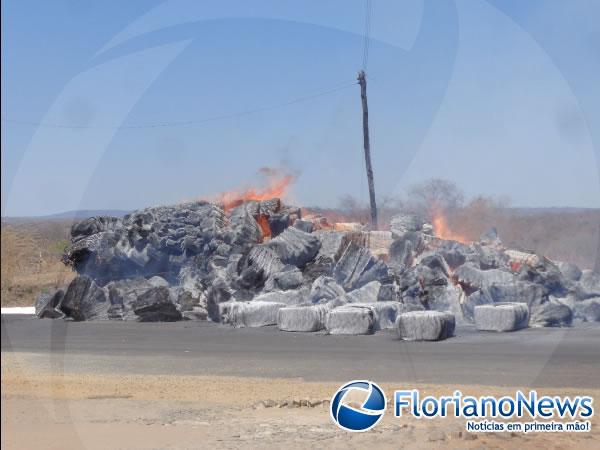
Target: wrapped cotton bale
x=156 y=305
x=384 y=313
x=289 y=278
x=84 y=300
x=333 y=243
x=295 y=247
x=254 y=313
x=551 y=313
x=425 y=325
x=357 y=267
x=302 y=318
x=350 y=319
x=501 y=316
x=266 y=260
x=471 y=276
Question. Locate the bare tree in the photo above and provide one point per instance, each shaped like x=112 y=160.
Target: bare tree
x=434 y=195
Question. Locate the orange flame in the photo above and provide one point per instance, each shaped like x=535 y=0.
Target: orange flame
x=263 y=223
x=443 y=231
x=277 y=185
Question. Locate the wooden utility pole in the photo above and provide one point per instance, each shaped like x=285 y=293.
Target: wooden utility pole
x=363 y=96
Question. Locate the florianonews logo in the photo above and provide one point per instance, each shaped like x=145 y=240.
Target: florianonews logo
x=360 y=404
x=351 y=418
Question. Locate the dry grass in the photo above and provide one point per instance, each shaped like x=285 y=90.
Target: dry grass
x=31 y=252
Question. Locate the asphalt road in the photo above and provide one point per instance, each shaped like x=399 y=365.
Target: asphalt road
x=529 y=358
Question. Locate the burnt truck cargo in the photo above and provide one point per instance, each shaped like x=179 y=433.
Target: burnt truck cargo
x=260 y=263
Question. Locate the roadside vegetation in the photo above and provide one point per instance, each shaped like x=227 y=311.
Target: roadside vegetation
x=31 y=252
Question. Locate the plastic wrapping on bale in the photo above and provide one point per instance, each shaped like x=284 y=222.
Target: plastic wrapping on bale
x=302 y=318
x=419 y=284
x=447 y=298
x=501 y=317
x=388 y=293
x=401 y=255
x=290 y=298
x=551 y=313
x=254 y=313
x=270 y=206
x=469 y=303
x=46 y=304
x=547 y=275
x=425 y=325
x=265 y=260
x=542 y=313
x=357 y=267
x=588 y=285
x=325 y=288
x=145 y=242
x=569 y=270
x=384 y=313
x=156 y=305
x=435 y=261
x=321 y=266
x=219 y=292
x=208 y=259
x=197 y=313
x=587 y=310
x=84 y=300
x=244 y=224
x=517 y=291
x=350 y=319
x=369 y=293
x=93 y=225
x=333 y=243
x=473 y=278
x=187 y=300
x=295 y=247
x=122 y=294
x=455 y=253
x=289 y=278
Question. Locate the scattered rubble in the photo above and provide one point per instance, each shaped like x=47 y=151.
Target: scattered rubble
x=261 y=263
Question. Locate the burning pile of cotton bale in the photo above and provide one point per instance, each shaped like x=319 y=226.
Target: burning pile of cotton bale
x=260 y=263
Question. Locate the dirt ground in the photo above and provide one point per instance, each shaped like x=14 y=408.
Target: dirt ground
x=52 y=409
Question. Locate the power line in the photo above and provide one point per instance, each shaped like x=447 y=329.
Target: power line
x=187 y=122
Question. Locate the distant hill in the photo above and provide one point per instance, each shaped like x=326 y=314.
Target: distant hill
x=70 y=215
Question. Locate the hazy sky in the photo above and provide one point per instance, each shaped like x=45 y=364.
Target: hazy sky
x=501 y=97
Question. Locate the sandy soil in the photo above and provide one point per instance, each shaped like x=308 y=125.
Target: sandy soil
x=50 y=409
